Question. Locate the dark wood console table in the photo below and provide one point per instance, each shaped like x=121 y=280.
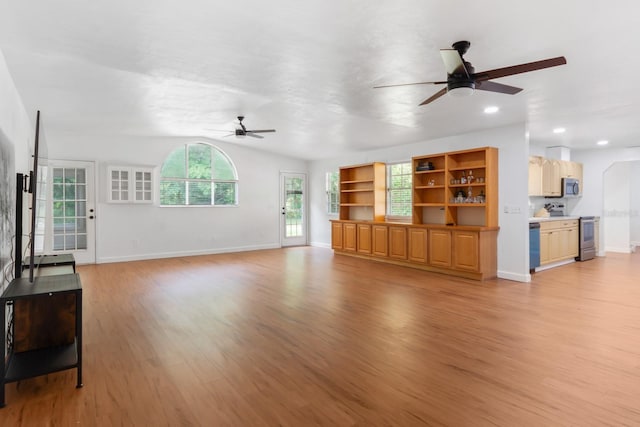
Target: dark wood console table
x=46 y=328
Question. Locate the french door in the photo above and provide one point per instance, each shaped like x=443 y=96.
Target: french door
x=71 y=210
x=293 y=209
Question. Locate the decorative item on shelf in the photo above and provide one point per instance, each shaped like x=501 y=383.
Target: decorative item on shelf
x=425 y=166
x=469 y=195
x=460 y=197
x=470 y=177
x=431 y=182
x=481 y=197
x=463 y=179
x=480 y=180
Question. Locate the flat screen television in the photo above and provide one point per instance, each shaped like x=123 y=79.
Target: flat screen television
x=35 y=187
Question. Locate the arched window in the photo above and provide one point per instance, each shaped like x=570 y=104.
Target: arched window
x=198 y=174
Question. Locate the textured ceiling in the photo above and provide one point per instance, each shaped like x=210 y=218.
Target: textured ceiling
x=188 y=68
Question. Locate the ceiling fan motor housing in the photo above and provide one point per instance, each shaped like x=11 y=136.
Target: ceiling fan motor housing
x=462 y=80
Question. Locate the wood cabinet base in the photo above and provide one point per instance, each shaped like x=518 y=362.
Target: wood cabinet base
x=467 y=251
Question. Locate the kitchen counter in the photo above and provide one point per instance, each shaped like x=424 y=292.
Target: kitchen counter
x=553 y=218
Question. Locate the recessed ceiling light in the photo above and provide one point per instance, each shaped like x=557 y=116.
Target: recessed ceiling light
x=559 y=130
x=492 y=109
x=603 y=142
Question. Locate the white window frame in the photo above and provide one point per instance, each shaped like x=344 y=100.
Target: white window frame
x=409 y=172
x=135 y=189
x=213 y=181
x=333 y=194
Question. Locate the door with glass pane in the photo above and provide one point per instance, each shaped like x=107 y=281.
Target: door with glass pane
x=293 y=209
x=71 y=216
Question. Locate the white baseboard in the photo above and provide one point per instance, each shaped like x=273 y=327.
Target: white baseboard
x=142 y=257
x=619 y=250
x=555 y=264
x=516 y=277
x=321 y=245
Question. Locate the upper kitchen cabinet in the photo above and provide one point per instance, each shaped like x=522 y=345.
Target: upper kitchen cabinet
x=363 y=192
x=551 y=183
x=545 y=175
x=535 y=176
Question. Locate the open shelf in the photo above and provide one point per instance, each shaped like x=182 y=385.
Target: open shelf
x=28 y=364
x=438 y=187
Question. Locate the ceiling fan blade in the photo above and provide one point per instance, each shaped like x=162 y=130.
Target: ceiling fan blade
x=253 y=135
x=411 y=84
x=522 y=68
x=497 y=87
x=435 y=96
x=262 y=131
x=453 y=62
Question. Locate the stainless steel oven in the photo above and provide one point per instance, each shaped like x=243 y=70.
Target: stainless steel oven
x=587 y=238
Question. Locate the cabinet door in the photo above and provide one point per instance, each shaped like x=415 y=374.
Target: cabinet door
x=557 y=245
x=440 y=248
x=465 y=250
x=545 y=252
x=418 y=245
x=398 y=242
x=364 y=239
x=573 y=242
x=349 y=237
x=551 y=183
x=380 y=241
x=535 y=176
x=336 y=235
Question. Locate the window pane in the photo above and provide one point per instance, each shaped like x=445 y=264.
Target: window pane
x=199 y=193
x=225 y=193
x=81 y=192
x=174 y=166
x=199 y=161
x=57 y=175
x=69 y=175
x=400 y=177
x=222 y=167
x=173 y=193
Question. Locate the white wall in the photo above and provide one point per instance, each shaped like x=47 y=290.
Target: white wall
x=616 y=200
x=15 y=132
x=513 y=238
x=634 y=204
x=595 y=163
x=129 y=232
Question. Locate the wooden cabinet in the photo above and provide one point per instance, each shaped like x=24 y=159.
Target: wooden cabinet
x=466 y=250
x=456 y=188
x=363 y=192
x=545 y=175
x=336 y=235
x=364 y=238
x=447 y=235
x=535 y=176
x=418 y=244
x=551 y=183
x=380 y=240
x=440 y=247
x=559 y=241
x=349 y=236
x=398 y=242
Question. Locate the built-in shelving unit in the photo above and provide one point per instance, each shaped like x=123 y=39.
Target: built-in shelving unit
x=458 y=188
x=454 y=215
x=362 y=192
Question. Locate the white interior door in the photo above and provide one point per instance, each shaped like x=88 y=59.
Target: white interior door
x=293 y=209
x=71 y=211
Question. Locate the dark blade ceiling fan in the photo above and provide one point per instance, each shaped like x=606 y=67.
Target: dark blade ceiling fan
x=242 y=131
x=463 y=80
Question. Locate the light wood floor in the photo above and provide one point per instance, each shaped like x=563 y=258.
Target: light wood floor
x=300 y=337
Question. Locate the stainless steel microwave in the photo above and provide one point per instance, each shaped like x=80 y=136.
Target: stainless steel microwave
x=570 y=187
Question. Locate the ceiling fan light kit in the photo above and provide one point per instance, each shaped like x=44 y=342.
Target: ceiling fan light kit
x=462 y=80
